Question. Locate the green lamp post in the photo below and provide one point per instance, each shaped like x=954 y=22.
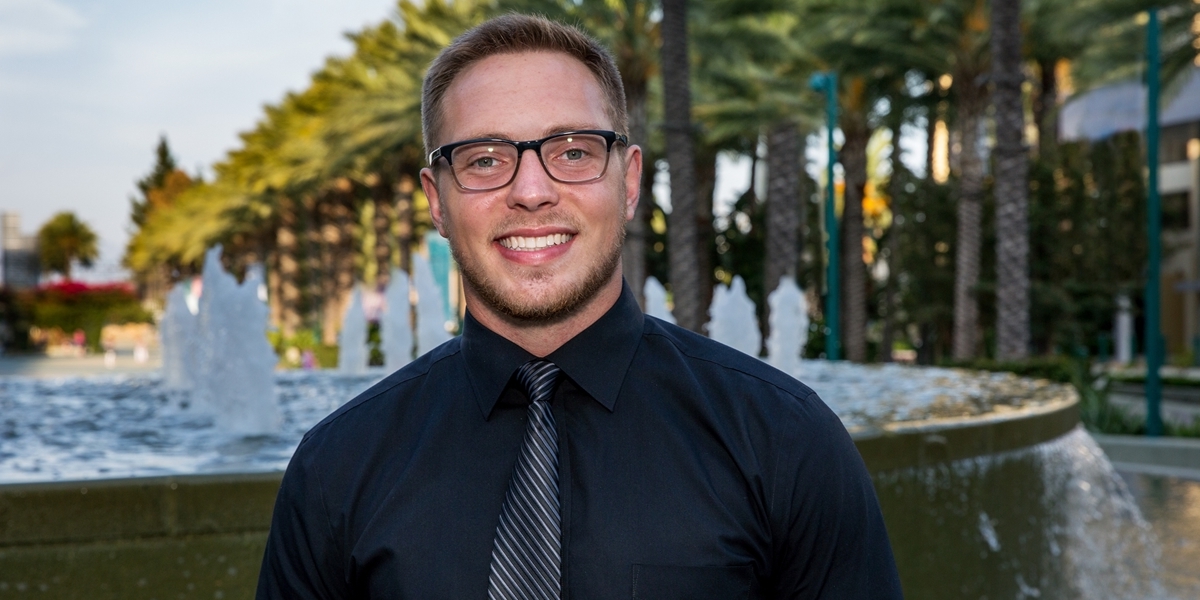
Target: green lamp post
x=1154 y=341
x=827 y=82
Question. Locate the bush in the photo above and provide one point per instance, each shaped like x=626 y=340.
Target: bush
x=290 y=349
x=1055 y=368
x=71 y=305
x=1096 y=412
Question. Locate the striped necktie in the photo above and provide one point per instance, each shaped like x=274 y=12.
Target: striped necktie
x=526 y=554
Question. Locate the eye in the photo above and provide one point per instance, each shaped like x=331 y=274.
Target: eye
x=481 y=157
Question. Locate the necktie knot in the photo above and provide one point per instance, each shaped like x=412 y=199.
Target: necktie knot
x=538 y=377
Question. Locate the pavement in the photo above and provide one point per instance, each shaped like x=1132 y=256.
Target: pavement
x=1181 y=410
x=1163 y=456
x=42 y=366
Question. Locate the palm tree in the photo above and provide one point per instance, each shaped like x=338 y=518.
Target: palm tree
x=63 y=240
x=1012 y=187
x=682 y=232
x=855 y=105
x=755 y=76
x=868 y=43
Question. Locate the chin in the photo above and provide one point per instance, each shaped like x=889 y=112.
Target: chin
x=554 y=303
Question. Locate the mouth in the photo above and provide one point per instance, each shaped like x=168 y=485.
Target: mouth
x=522 y=243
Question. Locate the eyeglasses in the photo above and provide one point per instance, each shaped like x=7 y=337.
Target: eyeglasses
x=486 y=164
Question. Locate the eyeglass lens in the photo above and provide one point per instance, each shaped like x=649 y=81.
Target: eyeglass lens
x=569 y=159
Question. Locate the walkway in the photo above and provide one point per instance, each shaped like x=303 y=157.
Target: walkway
x=64 y=366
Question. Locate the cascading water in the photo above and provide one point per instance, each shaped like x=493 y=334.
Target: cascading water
x=352 y=341
x=395 y=326
x=656 y=300
x=221 y=358
x=431 y=316
x=789 y=326
x=178 y=331
x=732 y=320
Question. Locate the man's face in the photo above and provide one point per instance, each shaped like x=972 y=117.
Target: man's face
x=536 y=249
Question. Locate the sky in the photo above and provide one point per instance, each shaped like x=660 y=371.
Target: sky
x=87 y=88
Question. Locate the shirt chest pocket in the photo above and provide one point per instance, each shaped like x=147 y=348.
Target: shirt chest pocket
x=661 y=582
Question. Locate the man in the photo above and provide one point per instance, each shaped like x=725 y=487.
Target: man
x=566 y=445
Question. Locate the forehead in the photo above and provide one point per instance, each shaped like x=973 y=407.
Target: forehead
x=523 y=96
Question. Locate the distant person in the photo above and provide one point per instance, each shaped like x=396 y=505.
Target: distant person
x=566 y=445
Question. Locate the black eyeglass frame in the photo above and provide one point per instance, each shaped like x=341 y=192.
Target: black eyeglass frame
x=446 y=151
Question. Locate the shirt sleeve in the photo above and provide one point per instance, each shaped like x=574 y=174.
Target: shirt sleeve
x=829 y=533
x=302 y=560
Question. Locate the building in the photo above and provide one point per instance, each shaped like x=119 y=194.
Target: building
x=20 y=256
x=1102 y=112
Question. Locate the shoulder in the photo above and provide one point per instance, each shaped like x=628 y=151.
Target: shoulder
x=356 y=416
x=712 y=360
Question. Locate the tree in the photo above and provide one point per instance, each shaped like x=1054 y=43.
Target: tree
x=869 y=44
x=164 y=165
x=683 y=230
x=65 y=239
x=1012 y=184
x=752 y=86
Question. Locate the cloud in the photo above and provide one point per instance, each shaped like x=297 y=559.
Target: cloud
x=36 y=26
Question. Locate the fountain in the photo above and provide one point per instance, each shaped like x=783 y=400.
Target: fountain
x=431 y=315
x=789 y=326
x=988 y=486
x=352 y=340
x=224 y=364
x=395 y=326
x=656 y=300
x=178 y=332
x=731 y=318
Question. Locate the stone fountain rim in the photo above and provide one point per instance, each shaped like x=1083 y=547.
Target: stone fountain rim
x=930 y=442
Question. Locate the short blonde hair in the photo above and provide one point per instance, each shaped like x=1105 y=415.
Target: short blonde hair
x=510 y=34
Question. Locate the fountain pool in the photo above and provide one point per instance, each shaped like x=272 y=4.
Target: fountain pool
x=125 y=487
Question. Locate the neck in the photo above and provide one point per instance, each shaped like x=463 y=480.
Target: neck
x=540 y=338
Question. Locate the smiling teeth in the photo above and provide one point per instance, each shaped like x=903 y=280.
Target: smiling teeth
x=517 y=242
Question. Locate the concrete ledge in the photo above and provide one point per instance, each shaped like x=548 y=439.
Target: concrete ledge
x=1153 y=455
x=202 y=536
x=937 y=441
x=111 y=509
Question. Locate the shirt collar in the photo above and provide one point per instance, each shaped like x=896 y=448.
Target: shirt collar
x=596 y=359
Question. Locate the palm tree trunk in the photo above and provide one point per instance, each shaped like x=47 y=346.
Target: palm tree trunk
x=313 y=273
x=682 y=234
x=1045 y=109
x=633 y=254
x=971 y=103
x=895 y=191
x=854 y=274
x=384 y=195
x=784 y=151
x=1012 y=185
x=286 y=248
x=706 y=230
x=404 y=220
x=345 y=253
x=331 y=243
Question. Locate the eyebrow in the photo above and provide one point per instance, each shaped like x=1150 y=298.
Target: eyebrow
x=547 y=132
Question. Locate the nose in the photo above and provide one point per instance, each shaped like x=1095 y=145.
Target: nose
x=531 y=187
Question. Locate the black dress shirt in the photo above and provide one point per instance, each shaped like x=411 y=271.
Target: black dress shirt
x=687 y=470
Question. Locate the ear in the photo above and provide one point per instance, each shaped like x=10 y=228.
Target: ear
x=633 y=180
x=429 y=184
